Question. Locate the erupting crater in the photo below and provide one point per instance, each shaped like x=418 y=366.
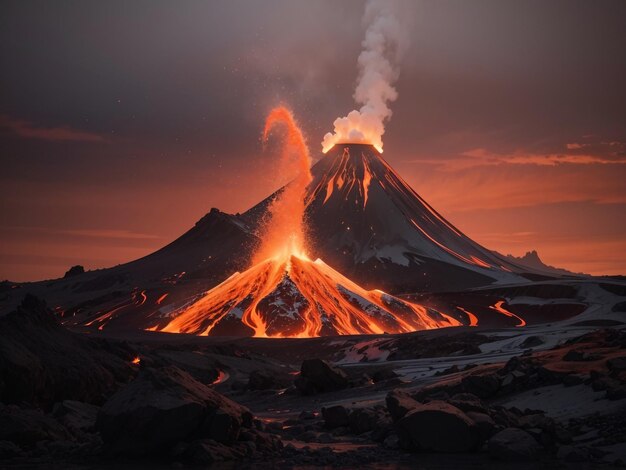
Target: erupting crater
x=293 y=296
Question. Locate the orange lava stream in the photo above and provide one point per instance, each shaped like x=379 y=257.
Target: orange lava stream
x=344 y=173
x=367 y=178
x=472 y=318
x=221 y=377
x=498 y=308
x=162 y=298
x=328 y=298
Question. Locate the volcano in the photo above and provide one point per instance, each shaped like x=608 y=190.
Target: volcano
x=371 y=229
x=294 y=296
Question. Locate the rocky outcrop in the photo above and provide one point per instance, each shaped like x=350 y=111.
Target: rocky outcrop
x=335 y=416
x=164 y=406
x=399 y=403
x=42 y=363
x=266 y=380
x=317 y=376
x=75 y=415
x=74 y=271
x=26 y=427
x=513 y=445
x=439 y=427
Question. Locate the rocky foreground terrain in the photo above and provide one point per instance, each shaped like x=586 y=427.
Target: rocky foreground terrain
x=450 y=398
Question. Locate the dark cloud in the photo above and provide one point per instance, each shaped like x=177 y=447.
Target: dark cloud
x=28 y=130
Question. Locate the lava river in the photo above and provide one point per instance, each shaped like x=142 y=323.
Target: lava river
x=298 y=297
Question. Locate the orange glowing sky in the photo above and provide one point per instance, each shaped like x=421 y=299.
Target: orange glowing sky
x=112 y=145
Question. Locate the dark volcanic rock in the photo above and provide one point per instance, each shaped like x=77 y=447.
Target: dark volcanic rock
x=532 y=342
x=414 y=346
x=486 y=425
x=483 y=386
x=26 y=427
x=362 y=420
x=164 y=406
x=437 y=426
x=265 y=380
x=43 y=363
x=513 y=445
x=578 y=356
x=318 y=376
x=467 y=402
x=208 y=452
x=76 y=415
x=74 y=271
x=8 y=450
x=335 y=416
x=399 y=403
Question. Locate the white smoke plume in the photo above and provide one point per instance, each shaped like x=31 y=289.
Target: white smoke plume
x=378 y=70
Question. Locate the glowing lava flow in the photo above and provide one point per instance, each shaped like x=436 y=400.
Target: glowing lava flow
x=498 y=308
x=298 y=297
x=472 y=318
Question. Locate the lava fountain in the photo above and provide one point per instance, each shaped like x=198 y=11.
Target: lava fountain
x=285 y=293
x=283 y=233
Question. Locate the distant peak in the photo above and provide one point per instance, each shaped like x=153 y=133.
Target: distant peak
x=532 y=256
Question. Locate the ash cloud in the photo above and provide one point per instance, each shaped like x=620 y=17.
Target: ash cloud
x=378 y=63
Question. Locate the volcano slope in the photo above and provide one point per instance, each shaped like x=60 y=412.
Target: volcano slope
x=374 y=228
x=294 y=296
x=364 y=221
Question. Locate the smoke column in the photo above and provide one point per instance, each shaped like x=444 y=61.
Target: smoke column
x=283 y=233
x=378 y=71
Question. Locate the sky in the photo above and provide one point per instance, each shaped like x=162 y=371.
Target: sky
x=123 y=123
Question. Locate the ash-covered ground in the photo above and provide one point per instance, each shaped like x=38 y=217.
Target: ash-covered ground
x=546 y=395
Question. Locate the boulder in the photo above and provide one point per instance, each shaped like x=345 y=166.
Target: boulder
x=164 y=406
x=76 y=415
x=532 y=341
x=26 y=427
x=467 y=402
x=318 y=376
x=579 y=356
x=42 y=363
x=485 y=424
x=362 y=420
x=399 y=403
x=265 y=380
x=513 y=445
x=335 y=416
x=438 y=427
x=306 y=415
x=483 y=386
